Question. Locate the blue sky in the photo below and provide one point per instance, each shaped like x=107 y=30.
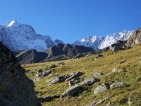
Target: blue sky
x=70 y=20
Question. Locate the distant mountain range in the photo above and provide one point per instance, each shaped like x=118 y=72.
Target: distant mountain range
x=18 y=36
x=98 y=42
x=57 y=52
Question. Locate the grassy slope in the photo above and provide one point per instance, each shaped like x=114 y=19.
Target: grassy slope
x=130 y=73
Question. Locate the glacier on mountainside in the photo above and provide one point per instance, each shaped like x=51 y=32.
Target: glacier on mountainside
x=98 y=42
x=18 y=36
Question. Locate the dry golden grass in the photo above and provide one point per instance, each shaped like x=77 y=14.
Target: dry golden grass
x=130 y=73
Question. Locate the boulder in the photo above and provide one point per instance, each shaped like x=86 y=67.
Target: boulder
x=117 y=84
x=66 y=77
x=98 y=74
x=73 y=75
x=73 y=81
x=39 y=70
x=72 y=90
x=47 y=98
x=53 y=80
x=123 y=101
x=52 y=66
x=89 y=81
x=61 y=63
x=15 y=88
x=117 y=46
x=122 y=62
x=115 y=70
x=97 y=102
x=100 y=55
x=42 y=74
x=101 y=88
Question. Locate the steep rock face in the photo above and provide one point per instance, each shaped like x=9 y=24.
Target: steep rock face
x=135 y=38
x=18 y=36
x=90 y=41
x=15 y=88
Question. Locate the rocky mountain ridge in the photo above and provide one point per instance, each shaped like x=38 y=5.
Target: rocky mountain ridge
x=55 y=53
x=98 y=42
x=18 y=36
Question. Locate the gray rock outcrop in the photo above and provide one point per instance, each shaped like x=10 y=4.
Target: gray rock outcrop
x=72 y=90
x=89 y=81
x=98 y=74
x=117 y=84
x=134 y=39
x=66 y=77
x=101 y=88
x=15 y=88
x=41 y=74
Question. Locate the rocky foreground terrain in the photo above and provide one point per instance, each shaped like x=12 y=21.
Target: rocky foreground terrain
x=15 y=88
x=111 y=78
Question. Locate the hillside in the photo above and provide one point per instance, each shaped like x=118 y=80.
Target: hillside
x=55 y=53
x=123 y=66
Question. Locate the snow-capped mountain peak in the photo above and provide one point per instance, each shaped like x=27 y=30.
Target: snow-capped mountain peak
x=113 y=38
x=9 y=24
x=90 y=41
x=98 y=42
x=18 y=36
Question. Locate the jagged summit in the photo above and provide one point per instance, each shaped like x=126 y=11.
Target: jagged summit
x=9 y=24
x=90 y=41
x=17 y=36
x=98 y=42
x=113 y=38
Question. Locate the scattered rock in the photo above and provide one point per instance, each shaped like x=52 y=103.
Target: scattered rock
x=89 y=81
x=53 y=80
x=98 y=74
x=65 y=77
x=73 y=75
x=72 y=90
x=41 y=74
x=61 y=63
x=123 y=101
x=98 y=56
x=139 y=79
x=115 y=70
x=52 y=66
x=73 y=81
x=47 y=98
x=101 y=88
x=117 y=84
x=108 y=74
x=97 y=102
x=129 y=101
x=111 y=103
x=88 y=55
x=122 y=62
x=39 y=70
